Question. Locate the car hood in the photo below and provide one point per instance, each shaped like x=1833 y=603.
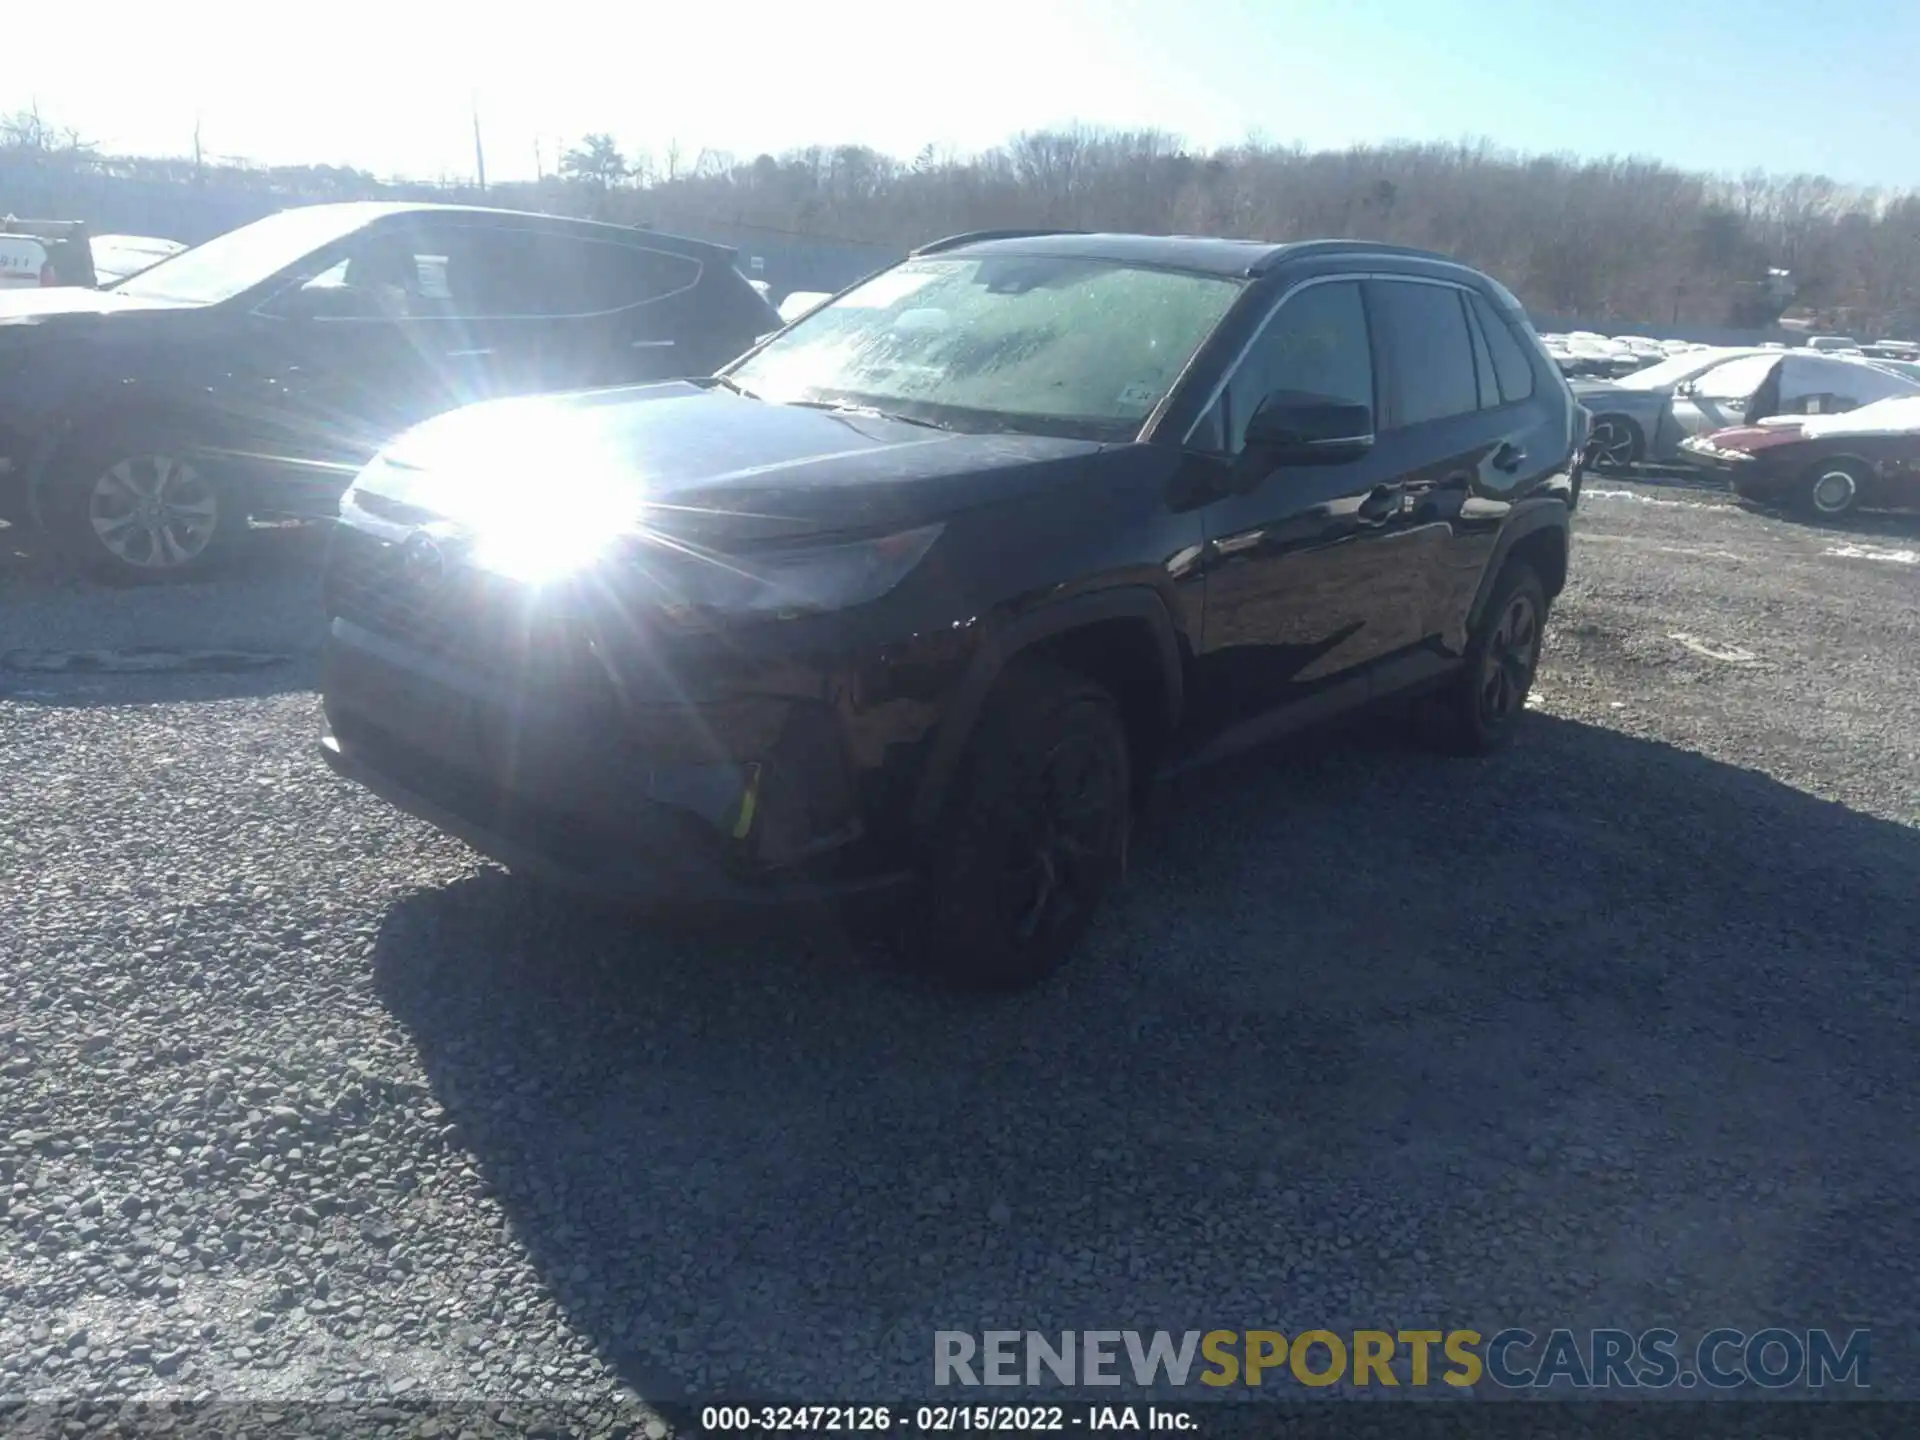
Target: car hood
x=67 y=302
x=1898 y=416
x=702 y=462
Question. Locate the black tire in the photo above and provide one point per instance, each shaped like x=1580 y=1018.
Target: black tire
x=1034 y=836
x=1479 y=710
x=1615 y=443
x=1831 y=491
x=139 y=506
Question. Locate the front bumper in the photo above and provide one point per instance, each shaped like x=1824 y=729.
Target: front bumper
x=561 y=786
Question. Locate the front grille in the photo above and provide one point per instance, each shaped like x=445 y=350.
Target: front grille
x=466 y=615
x=367 y=585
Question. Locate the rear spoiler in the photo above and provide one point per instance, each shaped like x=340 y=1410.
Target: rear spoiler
x=69 y=253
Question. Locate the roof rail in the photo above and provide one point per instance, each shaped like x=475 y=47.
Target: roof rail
x=1302 y=248
x=971 y=237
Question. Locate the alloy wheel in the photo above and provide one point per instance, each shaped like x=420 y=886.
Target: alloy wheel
x=1611 y=443
x=1513 y=651
x=1056 y=857
x=153 y=512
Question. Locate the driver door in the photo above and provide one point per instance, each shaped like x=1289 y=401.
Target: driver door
x=374 y=342
x=1296 y=561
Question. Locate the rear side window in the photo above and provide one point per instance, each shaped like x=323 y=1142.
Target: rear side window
x=1510 y=363
x=1429 y=353
x=509 y=273
x=1483 y=364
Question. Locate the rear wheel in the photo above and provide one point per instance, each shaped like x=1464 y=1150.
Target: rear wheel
x=1833 y=489
x=1035 y=835
x=1481 y=708
x=1615 y=443
x=143 y=508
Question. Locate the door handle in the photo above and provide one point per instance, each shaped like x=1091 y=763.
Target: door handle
x=466 y=354
x=1380 y=502
x=1509 y=457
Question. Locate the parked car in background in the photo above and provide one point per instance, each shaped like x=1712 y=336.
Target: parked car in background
x=1644 y=416
x=802 y=302
x=115 y=257
x=1909 y=369
x=1832 y=342
x=1822 y=465
x=1891 y=350
x=1642 y=347
x=37 y=254
x=142 y=425
x=923 y=592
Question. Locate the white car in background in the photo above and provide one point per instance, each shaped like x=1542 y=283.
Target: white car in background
x=115 y=257
x=802 y=302
x=32 y=260
x=23 y=262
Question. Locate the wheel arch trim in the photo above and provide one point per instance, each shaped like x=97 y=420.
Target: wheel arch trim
x=1004 y=642
x=1530 y=518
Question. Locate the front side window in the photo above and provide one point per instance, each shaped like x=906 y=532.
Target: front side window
x=1316 y=345
x=390 y=273
x=1737 y=379
x=1063 y=345
x=1429 y=353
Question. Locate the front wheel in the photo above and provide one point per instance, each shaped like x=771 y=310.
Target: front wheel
x=1833 y=490
x=143 y=509
x=1615 y=443
x=1035 y=835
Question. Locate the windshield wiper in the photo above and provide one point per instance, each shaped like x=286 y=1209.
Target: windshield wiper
x=835 y=407
x=731 y=384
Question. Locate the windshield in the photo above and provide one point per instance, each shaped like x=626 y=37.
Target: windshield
x=1066 y=346
x=230 y=264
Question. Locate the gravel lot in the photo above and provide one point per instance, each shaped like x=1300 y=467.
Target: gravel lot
x=300 y=1099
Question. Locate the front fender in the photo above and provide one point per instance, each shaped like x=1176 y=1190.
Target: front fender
x=1003 y=641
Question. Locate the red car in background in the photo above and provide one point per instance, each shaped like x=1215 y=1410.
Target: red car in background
x=1824 y=465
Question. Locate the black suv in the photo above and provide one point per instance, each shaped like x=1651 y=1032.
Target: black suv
x=927 y=588
x=256 y=373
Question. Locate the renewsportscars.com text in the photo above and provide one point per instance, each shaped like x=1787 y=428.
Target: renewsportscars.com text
x=1722 y=1359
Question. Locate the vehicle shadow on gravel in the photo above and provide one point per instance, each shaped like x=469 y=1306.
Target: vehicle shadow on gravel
x=1505 y=1041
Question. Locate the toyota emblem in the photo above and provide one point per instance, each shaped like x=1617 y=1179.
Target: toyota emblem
x=422 y=561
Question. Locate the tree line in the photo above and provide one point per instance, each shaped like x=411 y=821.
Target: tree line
x=1626 y=239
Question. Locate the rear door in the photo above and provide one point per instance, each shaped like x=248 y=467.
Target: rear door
x=1456 y=447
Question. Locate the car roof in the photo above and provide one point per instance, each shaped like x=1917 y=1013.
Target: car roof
x=1211 y=255
x=365 y=212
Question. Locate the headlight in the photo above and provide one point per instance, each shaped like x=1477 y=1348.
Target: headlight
x=690 y=585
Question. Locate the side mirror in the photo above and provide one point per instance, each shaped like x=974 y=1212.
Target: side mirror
x=1294 y=429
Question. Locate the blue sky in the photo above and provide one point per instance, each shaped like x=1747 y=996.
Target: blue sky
x=1786 y=85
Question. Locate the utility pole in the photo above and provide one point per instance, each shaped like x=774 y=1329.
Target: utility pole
x=479 y=151
x=196 y=148
x=539 y=163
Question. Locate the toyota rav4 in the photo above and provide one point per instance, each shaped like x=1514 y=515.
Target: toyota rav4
x=927 y=589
